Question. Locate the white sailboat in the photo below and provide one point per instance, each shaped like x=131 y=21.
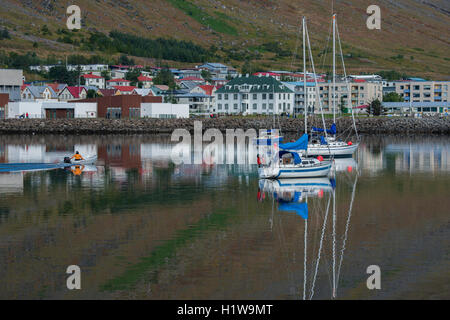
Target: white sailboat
x=285 y=161
x=329 y=145
x=291 y=160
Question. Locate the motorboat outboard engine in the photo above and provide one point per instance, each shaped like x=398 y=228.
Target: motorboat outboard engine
x=66 y=160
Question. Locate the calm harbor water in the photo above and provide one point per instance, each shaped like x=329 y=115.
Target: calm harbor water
x=141 y=227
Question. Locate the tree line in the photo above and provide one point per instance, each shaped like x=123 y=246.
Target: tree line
x=168 y=49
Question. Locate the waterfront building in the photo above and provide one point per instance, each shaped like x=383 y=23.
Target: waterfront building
x=420 y=90
x=164 y=110
x=430 y=108
x=361 y=91
x=10 y=82
x=198 y=102
x=51 y=110
x=209 y=91
x=121 y=106
x=254 y=95
x=299 y=96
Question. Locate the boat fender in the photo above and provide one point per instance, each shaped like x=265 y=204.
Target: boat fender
x=320 y=158
x=350 y=143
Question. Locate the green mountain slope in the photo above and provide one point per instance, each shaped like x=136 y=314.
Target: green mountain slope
x=414 y=37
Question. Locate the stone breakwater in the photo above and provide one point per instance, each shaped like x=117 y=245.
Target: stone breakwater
x=430 y=125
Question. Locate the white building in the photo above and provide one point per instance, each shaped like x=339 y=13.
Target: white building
x=164 y=110
x=94 y=80
x=254 y=95
x=46 y=109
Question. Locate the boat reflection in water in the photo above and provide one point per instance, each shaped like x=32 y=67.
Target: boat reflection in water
x=314 y=201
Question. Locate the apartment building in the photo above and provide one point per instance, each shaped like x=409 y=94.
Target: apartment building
x=423 y=91
x=299 y=96
x=254 y=95
x=361 y=93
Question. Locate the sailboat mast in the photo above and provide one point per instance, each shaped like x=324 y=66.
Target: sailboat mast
x=334 y=69
x=305 y=104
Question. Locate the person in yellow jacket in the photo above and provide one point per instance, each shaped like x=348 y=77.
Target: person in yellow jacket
x=77 y=156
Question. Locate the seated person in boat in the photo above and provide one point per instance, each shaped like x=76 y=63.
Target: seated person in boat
x=77 y=156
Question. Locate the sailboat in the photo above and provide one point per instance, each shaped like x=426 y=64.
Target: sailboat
x=285 y=161
x=292 y=160
x=327 y=145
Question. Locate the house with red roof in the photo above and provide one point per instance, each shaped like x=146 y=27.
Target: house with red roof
x=57 y=87
x=108 y=92
x=147 y=82
x=118 y=82
x=72 y=93
x=209 y=91
x=125 y=90
x=94 y=80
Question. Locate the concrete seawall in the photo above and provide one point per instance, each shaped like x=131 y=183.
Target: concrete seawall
x=158 y=126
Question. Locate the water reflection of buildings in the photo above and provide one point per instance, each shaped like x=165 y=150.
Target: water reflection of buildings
x=419 y=157
x=413 y=158
x=11 y=182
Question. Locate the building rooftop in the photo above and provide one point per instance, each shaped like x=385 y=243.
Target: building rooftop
x=256 y=83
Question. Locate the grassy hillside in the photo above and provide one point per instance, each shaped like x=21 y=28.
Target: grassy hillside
x=414 y=38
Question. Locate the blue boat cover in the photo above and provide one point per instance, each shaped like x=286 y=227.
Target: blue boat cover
x=323 y=141
x=300 y=209
x=297 y=159
x=332 y=130
x=300 y=144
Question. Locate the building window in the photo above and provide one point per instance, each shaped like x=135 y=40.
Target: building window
x=235 y=96
x=255 y=106
x=219 y=106
x=235 y=106
x=219 y=97
x=226 y=106
x=264 y=96
x=271 y=96
x=270 y=106
x=226 y=96
x=264 y=106
x=255 y=96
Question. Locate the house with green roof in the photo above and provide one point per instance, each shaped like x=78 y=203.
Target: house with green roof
x=254 y=95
